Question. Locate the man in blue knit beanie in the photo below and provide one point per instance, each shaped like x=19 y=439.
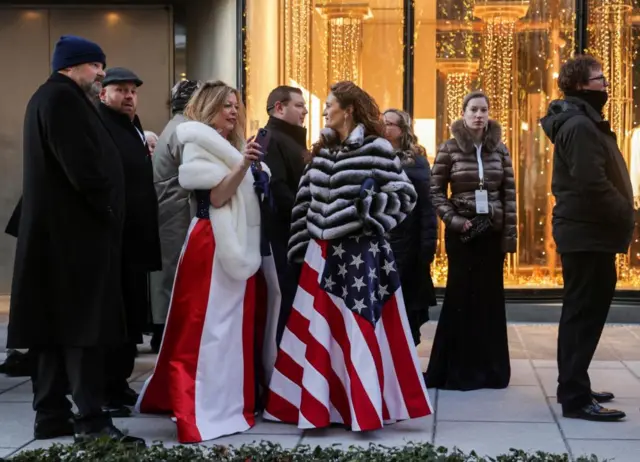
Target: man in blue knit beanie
x=80 y=57
x=66 y=295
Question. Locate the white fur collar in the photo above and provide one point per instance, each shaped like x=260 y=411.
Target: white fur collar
x=207 y=159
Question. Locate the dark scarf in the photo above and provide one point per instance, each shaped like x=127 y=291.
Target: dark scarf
x=594 y=98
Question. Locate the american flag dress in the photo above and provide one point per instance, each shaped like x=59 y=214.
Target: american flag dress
x=347 y=355
x=219 y=344
x=205 y=374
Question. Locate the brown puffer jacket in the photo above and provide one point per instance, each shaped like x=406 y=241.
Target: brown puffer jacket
x=456 y=164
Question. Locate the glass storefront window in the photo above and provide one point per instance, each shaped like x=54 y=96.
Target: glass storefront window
x=511 y=49
x=311 y=44
x=614 y=30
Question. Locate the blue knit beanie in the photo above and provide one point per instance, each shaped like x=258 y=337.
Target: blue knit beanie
x=71 y=51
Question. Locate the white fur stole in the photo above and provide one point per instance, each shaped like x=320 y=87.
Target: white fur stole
x=207 y=159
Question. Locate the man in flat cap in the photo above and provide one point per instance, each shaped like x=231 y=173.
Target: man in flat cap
x=66 y=296
x=141 y=242
x=174 y=208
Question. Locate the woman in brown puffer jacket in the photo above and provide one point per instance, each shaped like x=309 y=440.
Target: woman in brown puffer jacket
x=470 y=349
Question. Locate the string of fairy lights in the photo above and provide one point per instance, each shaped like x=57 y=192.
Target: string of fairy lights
x=496 y=71
x=457 y=85
x=297 y=27
x=610 y=21
x=345 y=41
x=512 y=49
x=610 y=29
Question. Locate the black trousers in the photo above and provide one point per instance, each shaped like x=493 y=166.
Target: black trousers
x=120 y=361
x=119 y=367
x=82 y=370
x=589 y=285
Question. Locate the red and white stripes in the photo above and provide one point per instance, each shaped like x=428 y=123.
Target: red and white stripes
x=334 y=366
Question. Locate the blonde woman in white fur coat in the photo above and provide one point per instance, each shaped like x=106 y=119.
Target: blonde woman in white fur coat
x=205 y=373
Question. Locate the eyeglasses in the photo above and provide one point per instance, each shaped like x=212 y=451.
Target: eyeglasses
x=599 y=77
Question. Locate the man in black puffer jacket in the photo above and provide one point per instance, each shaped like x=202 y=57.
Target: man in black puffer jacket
x=592 y=222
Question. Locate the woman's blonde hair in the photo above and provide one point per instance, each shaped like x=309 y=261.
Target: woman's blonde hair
x=408 y=140
x=209 y=100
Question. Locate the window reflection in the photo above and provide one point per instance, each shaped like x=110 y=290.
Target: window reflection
x=319 y=43
x=512 y=49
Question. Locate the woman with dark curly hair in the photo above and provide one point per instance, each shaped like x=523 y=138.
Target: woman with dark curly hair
x=414 y=240
x=346 y=354
x=470 y=349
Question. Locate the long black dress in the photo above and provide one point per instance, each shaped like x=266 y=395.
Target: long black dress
x=471 y=350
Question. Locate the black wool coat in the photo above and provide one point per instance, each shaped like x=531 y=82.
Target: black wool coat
x=414 y=240
x=141 y=238
x=14 y=221
x=285 y=158
x=66 y=287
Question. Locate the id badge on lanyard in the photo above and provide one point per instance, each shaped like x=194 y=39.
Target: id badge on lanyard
x=482 y=198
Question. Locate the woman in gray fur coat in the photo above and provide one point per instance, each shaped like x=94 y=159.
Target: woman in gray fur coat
x=347 y=355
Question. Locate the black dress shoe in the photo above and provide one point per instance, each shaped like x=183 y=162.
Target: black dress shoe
x=48 y=429
x=593 y=411
x=110 y=432
x=18 y=364
x=117 y=410
x=129 y=397
x=126 y=397
x=602 y=396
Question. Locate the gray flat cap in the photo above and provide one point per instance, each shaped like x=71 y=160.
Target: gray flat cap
x=120 y=74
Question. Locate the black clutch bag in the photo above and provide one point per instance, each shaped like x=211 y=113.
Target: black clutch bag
x=480 y=224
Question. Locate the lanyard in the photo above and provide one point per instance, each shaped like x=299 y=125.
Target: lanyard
x=141 y=135
x=480 y=165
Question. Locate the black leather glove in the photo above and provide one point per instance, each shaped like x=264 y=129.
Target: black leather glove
x=480 y=224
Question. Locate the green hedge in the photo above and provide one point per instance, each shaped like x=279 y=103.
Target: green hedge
x=108 y=451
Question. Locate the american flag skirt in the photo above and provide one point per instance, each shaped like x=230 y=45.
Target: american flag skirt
x=347 y=355
x=212 y=349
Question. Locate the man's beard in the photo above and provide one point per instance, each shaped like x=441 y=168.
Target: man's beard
x=92 y=91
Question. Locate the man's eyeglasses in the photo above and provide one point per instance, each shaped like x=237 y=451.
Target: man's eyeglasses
x=600 y=77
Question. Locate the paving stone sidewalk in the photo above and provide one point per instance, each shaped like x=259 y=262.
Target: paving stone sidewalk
x=524 y=416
